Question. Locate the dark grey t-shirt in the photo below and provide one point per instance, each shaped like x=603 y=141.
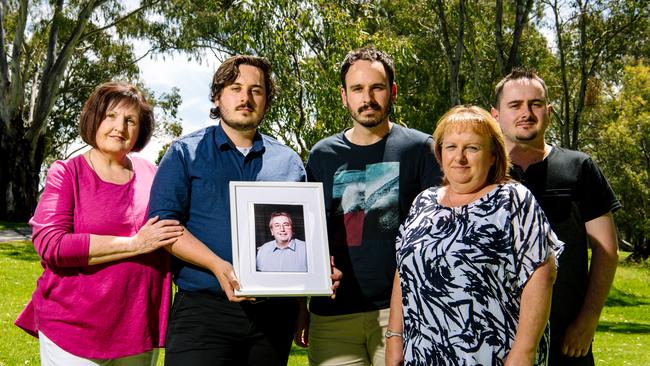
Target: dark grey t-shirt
x=368 y=193
x=571 y=190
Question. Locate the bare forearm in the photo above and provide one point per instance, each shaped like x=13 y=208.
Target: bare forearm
x=534 y=310
x=395 y=344
x=396 y=318
x=601 y=275
x=604 y=259
x=152 y=236
x=104 y=248
x=193 y=251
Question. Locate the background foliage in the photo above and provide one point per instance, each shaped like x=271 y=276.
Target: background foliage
x=592 y=54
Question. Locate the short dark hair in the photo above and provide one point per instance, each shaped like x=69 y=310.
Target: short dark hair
x=480 y=121
x=111 y=94
x=228 y=72
x=516 y=74
x=368 y=54
x=276 y=214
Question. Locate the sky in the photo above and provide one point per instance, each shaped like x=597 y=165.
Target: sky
x=161 y=74
x=192 y=78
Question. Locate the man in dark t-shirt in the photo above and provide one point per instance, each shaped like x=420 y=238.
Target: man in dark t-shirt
x=578 y=202
x=371 y=173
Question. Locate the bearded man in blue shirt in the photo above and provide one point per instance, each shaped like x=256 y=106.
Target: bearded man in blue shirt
x=208 y=324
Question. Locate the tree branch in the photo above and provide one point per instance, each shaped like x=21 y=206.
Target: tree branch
x=563 y=116
x=68 y=155
x=55 y=66
x=4 y=68
x=119 y=20
x=584 y=76
x=498 y=36
x=440 y=9
x=12 y=92
x=521 y=20
x=453 y=56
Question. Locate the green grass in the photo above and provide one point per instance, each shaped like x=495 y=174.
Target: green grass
x=623 y=336
x=298 y=356
x=19 y=269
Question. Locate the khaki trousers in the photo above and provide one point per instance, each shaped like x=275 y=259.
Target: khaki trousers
x=351 y=339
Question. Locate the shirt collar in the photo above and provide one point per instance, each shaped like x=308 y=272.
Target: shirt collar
x=292 y=246
x=223 y=142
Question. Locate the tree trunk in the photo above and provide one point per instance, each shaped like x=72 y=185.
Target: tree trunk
x=454 y=55
x=641 y=251
x=19 y=175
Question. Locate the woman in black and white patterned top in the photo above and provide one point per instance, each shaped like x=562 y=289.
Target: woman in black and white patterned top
x=476 y=259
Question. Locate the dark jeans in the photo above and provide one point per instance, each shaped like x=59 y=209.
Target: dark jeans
x=207 y=330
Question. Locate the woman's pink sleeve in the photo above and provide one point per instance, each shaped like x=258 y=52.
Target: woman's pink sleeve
x=53 y=221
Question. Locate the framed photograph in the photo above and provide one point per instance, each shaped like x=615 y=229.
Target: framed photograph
x=279 y=239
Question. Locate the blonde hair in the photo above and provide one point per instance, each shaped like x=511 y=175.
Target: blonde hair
x=481 y=122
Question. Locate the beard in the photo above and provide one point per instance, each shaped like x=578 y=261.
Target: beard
x=531 y=134
x=242 y=124
x=370 y=121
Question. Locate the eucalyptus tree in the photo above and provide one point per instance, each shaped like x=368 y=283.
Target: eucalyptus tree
x=52 y=53
x=461 y=49
x=304 y=41
x=622 y=147
x=591 y=36
x=511 y=58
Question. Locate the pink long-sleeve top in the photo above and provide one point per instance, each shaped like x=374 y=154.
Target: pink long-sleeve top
x=107 y=310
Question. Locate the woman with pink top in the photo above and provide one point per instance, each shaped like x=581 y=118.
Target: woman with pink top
x=103 y=297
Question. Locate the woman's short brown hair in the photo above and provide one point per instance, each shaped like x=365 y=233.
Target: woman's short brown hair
x=111 y=94
x=481 y=122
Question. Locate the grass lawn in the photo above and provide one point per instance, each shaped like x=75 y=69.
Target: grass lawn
x=19 y=268
x=623 y=336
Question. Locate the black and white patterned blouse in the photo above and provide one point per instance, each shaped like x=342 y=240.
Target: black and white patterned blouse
x=462 y=272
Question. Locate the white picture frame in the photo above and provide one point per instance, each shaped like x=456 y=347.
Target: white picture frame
x=252 y=204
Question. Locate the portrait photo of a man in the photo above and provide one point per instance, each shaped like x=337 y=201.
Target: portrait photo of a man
x=285 y=252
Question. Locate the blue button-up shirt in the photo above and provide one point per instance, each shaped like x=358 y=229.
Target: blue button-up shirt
x=192 y=186
x=292 y=258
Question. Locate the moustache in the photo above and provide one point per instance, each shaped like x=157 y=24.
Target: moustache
x=529 y=119
x=245 y=105
x=372 y=105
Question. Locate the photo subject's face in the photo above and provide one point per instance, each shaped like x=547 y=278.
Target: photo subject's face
x=281 y=229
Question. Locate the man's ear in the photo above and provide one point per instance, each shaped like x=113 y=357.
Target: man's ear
x=344 y=97
x=393 y=92
x=495 y=113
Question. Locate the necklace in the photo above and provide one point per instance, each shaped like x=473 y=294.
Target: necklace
x=90 y=159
